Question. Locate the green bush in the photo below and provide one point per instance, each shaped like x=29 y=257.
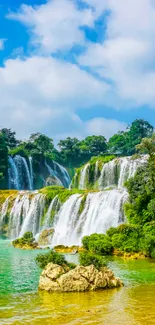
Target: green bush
x=28 y=235
x=98 y=244
x=26 y=239
x=87 y=258
x=50 y=257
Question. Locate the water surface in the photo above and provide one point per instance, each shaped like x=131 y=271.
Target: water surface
x=21 y=303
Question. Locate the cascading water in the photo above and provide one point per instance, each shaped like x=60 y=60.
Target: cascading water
x=13 y=174
x=17 y=215
x=53 y=174
x=4 y=211
x=27 y=172
x=66 y=219
x=31 y=171
x=34 y=214
x=53 y=207
x=117 y=171
x=102 y=210
x=83 y=177
x=62 y=173
x=19 y=174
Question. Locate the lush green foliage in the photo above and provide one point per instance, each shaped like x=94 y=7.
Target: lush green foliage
x=27 y=239
x=98 y=244
x=124 y=143
x=50 y=257
x=87 y=258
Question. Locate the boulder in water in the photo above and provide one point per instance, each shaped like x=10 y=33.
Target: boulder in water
x=60 y=278
x=45 y=237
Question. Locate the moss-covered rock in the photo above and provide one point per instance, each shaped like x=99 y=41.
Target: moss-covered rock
x=45 y=237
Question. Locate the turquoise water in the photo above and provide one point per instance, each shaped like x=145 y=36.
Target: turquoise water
x=21 y=303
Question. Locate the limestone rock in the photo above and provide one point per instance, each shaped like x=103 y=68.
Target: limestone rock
x=45 y=237
x=58 y=278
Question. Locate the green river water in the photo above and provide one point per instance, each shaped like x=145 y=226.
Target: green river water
x=21 y=303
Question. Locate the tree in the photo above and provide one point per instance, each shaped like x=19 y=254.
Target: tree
x=10 y=137
x=139 y=129
x=147 y=146
x=70 y=150
x=41 y=143
x=94 y=145
x=124 y=143
x=118 y=143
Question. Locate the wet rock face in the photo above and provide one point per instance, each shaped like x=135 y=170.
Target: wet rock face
x=58 y=278
x=45 y=237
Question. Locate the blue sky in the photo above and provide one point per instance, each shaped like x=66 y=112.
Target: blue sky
x=75 y=68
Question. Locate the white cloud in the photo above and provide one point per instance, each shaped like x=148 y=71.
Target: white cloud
x=54 y=25
x=41 y=93
x=102 y=126
x=126 y=56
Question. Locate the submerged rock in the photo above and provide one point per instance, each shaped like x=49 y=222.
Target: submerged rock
x=58 y=278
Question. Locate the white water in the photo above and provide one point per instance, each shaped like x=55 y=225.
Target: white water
x=52 y=207
x=13 y=174
x=64 y=174
x=17 y=215
x=27 y=172
x=53 y=174
x=102 y=210
x=33 y=217
x=117 y=171
x=19 y=174
x=83 y=177
x=4 y=211
x=31 y=170
x=66 y=219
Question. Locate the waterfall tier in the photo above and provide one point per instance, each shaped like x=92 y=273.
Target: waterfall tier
x=105 y=175
x=23 y=176
x=79 y=215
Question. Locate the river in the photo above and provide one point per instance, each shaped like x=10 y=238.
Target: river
x=21 y=303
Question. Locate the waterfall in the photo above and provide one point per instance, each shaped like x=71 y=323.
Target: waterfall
x=33 y=216
x=65 y=221
x=17 y=215
x=4 y=211
x=28 y=176
x=53 y=207
x=102 y=210
x=53 y=174
x=62 y=173
x=31 y=170
x=19 y=174
x=108 y=175
x=117 y=171
x=83 y=177
x=13 y=174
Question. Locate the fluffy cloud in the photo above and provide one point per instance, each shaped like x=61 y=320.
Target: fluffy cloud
x=126 y=56
x=55 y=25
x=43 y=94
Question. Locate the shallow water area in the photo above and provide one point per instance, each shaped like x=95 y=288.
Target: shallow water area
x=21 y=303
